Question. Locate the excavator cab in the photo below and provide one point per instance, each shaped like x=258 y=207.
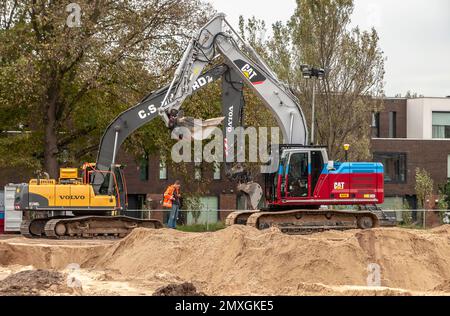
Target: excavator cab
x=296 y=179
x=301 y=173
x=100 y=182
x=305 y=178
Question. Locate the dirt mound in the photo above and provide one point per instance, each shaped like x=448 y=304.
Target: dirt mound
x=34 y=282
x=242 y=260
x=443 y=287
x=46 y=254
x=314 y=289
x=184 y=289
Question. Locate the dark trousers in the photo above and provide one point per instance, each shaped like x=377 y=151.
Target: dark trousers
x=173 y=216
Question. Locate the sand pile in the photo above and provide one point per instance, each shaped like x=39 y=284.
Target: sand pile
x=35 y=282
x=443 y=287
x=47 y=254
x=242 y=260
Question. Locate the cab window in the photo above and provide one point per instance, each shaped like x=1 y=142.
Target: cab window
x=298 y=175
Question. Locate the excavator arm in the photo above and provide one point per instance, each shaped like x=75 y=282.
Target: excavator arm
x=136 y=117
x=242 y=65
x=141 y=114
x=218 y=38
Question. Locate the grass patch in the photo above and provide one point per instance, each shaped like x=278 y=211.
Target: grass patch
x=410 y=226
x=201 y=228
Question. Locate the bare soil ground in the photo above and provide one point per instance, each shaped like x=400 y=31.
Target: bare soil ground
x=183 y=289
x=35 y=282
x=235 y=261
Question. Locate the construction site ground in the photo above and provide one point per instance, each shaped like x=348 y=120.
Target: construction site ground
x=238 y=260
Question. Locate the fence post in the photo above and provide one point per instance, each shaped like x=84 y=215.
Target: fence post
x=424 y=218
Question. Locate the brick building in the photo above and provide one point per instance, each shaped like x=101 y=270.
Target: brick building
x=410 y=134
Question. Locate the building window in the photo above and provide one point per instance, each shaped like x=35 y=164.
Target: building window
x=143 y=168
x=441 y=125
x=217 y=171
x=198 y=171
x=392 y=124
x=376 y=125
x=162 y=168
x=394 y=166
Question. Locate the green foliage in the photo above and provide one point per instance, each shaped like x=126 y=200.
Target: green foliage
x=194 y=205
x=65 y=85
x=423 y=187
x=407 y=218
x=444 y=191
x=444 y=201
x=200 y=228
x=411 y=226
x=412 y=95
x=406 y=205
x=406 y=215
x=442 y=204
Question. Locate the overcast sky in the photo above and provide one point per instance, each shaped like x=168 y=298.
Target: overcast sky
x=414 y=34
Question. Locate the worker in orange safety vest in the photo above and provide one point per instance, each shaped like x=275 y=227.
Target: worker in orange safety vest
x=172 y=201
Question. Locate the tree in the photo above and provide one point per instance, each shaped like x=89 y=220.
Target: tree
x=424 y=189
x=319 y=34
x=424 y=186
x=65 y=84
x=413 y=95
x=194 y=206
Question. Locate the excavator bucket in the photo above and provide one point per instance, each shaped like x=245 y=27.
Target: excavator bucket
x=199 y=129
x=253 y=192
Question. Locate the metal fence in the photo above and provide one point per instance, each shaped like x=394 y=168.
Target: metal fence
x=187 y=217
x=212 y=216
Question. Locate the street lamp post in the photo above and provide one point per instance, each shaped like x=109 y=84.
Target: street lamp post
x=313 y=115
x=313 y=73
x=346 y=149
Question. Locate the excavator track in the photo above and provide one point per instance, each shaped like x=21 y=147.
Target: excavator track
x=25 y=229
x=35 y=228
x=96 y=227
x=238 y=218
x=305 y=222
